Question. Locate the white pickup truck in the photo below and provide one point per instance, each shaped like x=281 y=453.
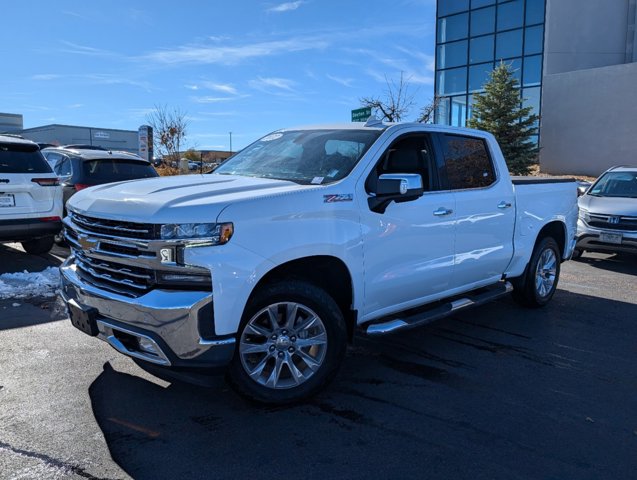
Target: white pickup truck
x=267 y=267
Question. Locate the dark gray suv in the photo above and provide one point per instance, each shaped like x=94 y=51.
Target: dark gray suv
x=81 y=166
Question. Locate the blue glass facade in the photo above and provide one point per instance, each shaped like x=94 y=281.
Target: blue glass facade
x=472 y=37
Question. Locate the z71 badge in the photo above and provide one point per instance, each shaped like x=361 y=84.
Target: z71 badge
x=338 y=197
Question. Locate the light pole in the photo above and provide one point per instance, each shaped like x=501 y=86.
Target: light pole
x=230 y=142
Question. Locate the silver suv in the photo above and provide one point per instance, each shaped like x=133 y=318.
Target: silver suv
x=608 y=213
x=30 y=196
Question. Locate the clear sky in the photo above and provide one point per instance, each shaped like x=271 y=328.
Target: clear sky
x=246 y=67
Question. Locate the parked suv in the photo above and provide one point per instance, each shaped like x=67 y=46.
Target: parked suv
x=608 y=213
x=30 y=196
x=81 y=166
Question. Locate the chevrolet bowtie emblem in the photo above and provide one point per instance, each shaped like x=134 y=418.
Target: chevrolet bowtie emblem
x=87 y=244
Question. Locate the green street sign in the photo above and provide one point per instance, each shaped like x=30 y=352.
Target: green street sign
x=361 y=114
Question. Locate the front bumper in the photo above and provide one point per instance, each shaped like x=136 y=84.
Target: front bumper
x=588 y=238
x=166 y=320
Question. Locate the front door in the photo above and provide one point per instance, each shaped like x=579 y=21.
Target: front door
x=408 y=249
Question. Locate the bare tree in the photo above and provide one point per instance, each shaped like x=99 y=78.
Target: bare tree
x=428 y=111
x=396 y=102
x=169 y=131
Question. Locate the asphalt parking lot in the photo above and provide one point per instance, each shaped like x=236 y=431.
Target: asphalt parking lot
x=496 y=392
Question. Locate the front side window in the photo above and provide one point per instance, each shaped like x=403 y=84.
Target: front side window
x=18 y=158
x=316 y=157
x=615 y=184
x=410 y=154
x=467 y=161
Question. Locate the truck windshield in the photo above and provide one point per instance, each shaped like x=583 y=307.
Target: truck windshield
x=315 y=157
x=616 y=184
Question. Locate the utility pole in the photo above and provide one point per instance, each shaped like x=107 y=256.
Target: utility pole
x=230 y=142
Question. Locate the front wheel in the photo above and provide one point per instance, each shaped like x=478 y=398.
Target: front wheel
x=537 y=285
x=291 y=342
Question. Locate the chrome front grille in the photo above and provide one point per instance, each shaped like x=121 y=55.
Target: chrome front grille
x=612 y=222
x=125 y=264
x=145 y=231
x=122 y=276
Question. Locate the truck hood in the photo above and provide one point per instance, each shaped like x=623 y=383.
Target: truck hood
x=178 y=199
x=609 y=205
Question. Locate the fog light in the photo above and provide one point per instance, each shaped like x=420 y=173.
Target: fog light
x=148 y=346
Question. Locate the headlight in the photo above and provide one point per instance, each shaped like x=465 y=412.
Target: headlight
x=583 y=214
x=216 y=233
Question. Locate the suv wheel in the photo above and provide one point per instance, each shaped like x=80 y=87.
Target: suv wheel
x=291 y=342
x=38 y=245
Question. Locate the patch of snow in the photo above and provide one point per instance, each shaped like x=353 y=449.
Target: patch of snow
x=29 y=284
x=15 y=304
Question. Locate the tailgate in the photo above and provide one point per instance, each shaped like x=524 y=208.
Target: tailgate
x=20 y=195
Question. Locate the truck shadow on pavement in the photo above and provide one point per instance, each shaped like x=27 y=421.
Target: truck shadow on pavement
x=495 y=392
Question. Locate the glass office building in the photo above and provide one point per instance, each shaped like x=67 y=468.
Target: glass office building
x=472 y=36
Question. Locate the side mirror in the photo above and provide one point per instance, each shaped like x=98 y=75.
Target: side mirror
x=395 y=187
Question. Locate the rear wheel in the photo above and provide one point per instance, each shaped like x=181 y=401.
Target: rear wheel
x=291 y=342
x=38 y=245
x=536 y=286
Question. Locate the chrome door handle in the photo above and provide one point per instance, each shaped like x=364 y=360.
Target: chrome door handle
x=441 y=212
x=504 y=204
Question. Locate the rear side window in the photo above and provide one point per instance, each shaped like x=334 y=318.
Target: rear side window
x=115 y=170
x=22 y=159
x=63 y=167
x=468 y=162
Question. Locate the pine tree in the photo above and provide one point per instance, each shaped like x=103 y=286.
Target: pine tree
x=498 y=110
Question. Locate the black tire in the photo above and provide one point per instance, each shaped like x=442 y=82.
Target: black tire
x=38 y=245
x=276 y=300
x=577 y=253
x=526 y=290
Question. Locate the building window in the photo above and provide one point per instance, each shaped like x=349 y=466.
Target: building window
x=479 y=75
x=453 y=28
x=510 y=15
x=481 y=49
x=452 y=81
x=459 y=111
x=533 y=39
x=481 y=3
x=448 y=7
x=534 y=11
x=442 y=111
x=532 y=70
x=531 y=98
x=452 y=54
x=482 y=21
x=508 y=44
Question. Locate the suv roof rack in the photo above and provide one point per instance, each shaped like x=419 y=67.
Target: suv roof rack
x=79 y=146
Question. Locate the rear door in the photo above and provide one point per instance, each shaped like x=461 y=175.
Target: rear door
x=485 y=211
x=27 y=183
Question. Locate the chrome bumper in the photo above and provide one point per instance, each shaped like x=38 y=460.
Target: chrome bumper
x=168 y=319
x=588 y=238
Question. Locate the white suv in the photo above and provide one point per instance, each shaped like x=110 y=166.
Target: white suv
x=30 y=196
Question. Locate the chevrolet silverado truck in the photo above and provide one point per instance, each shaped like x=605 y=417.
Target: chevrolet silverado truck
x=268 y=266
